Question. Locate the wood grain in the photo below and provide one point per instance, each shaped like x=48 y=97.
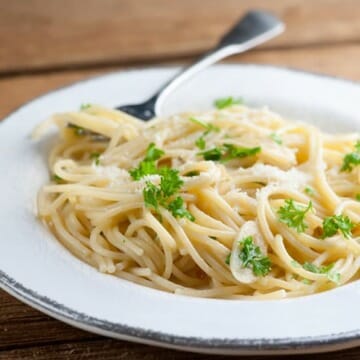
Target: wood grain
x=22 y=336
x=335 y=60
x=22 y=326
x=111 y=349
x=40 y=34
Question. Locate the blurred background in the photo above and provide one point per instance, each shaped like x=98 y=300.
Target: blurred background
x=45 y=44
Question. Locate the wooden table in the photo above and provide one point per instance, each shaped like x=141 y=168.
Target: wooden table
x=47 y=44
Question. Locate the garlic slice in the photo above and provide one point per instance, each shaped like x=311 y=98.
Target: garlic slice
x=240 y=273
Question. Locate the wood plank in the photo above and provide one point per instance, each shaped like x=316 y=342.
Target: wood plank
x=333 y=60
x=111 y=349
x=21 y=326
x=21 y=89
x=337 y=60
x=36 y=34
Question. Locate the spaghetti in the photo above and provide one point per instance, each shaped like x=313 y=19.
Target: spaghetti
x=231 y=203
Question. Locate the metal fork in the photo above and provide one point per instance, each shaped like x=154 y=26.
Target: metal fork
x=253 y=29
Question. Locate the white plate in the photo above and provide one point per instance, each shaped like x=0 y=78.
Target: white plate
x=35 y=268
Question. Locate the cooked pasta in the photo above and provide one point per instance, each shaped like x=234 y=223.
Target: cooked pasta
x=231 y=203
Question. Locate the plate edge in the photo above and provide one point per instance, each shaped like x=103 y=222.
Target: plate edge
x=235 y=346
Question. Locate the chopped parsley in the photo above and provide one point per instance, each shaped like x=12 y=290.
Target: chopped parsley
x=153 y=153
x=207 y=126
x=144 y=168
x=177 y=209
x=308 y=190
x=227 y=259
x=212 y=154
x=335 y=223
x=170 y=183
x=225 y=102
x=78 y=130
x=233 y=152
x=334 y=277
x=200 y=142
x=324 y=269
x=295 y=264
x=228 y=152
x=152 y=195
x=96 y=157
x=357 y=197
x=148 y=165
x=276 y=137
x=57 y=179
x=352 y=159
x=252 y=258
x=293 y=215
x=312 y=268
x=85 y=106
x=306 y=281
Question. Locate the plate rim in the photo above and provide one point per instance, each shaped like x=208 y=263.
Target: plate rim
x=223 y=346
x=335 y=341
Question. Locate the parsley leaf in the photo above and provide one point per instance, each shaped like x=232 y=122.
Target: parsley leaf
x=227 y=259
x=295 y=264
x=225 y=102
x=170 y=181
x=200 y=142
x=147 y=166
x=308 y=190
x=352 y=159
x=276 y=137
x=57 y=179
x=334 y=277
x=153 y=153
x=78 y=130
x=233 y=152
x=306 y=281
x=96 y=157
x=324 y=269
x=228 y=152
x=155 y=196
x=177 y=209
x=85 y=106
x=152 y=195
x=212 y=154
x=207 y=126
x=335 y=223
x=311 y=267
x=252 y=258
x=144 y=168
x=293 y=215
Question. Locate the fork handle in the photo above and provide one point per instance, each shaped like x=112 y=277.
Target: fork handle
x=255 y=28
